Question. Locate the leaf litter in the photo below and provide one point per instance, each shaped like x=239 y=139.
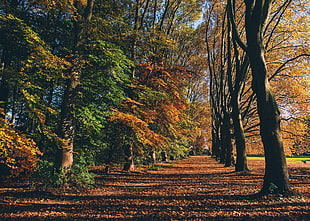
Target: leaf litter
x=197 y=188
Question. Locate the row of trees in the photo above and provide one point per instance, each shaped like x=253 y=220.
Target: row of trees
x=102 y=81
x=253 y=46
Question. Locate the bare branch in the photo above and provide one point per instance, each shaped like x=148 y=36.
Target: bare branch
x=289 y=60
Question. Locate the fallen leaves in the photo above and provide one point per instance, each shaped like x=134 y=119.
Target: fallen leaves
x=196 y=188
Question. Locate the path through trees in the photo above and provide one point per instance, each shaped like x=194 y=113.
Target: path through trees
x=195 y=188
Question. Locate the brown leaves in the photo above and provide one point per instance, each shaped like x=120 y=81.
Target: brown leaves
x=197 y=188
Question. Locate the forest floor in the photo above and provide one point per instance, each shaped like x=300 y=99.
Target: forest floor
x=197 y=188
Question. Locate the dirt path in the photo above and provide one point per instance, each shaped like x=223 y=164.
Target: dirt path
x=197 y=188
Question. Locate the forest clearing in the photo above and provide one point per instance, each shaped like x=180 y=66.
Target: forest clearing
x=197 y=188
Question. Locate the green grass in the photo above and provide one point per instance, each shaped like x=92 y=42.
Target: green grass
x=298 y=158
x=155 y=167
x=288 y=158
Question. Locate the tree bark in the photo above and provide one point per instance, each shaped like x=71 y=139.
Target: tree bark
x=4 y=95
x=67 y=117
x=153 y=156
x=241 y=69
x=129 y=163
x=276 y=179
x=229 y=159
x=4 y=88
x=67 y=121
x=241 y=161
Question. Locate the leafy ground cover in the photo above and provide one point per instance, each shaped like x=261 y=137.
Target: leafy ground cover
x=197 y=188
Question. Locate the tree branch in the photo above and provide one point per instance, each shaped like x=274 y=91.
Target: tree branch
x=289 y=60
x=234 y=26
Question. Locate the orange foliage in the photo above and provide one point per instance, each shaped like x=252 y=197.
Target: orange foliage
x=140 y=128
x=17 y=152
x=157 y=113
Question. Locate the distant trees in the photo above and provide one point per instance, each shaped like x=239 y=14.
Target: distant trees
x=228 y=69
x=230 y=59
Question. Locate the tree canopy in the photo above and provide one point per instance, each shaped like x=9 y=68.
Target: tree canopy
x=100 y=82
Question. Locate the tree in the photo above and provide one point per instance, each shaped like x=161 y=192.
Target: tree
x=157 y=120
x=219 y=55
x=238 y=65
x=68 y=107
x=276 y=174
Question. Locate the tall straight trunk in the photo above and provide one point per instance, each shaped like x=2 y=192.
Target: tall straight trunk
x=229 y=160
x=235 y=87
x=241 y=70
x=276 y=179
x=215 y=144
x=67 y=121
x=223 y=141
x=67 y=117
x=241 y=161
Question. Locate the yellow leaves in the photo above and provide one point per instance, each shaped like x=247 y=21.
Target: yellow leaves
x=16 y=150
x=160 y=82
x=294 y=132
x=132 y=102
x=83 y=2
x=40 y=59
x=68 y=6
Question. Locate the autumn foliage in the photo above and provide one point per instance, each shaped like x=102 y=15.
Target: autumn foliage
x=155 y=117
x=18 y=153
x=105 y=82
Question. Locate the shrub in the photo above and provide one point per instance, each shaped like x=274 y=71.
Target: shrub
x=77 y=179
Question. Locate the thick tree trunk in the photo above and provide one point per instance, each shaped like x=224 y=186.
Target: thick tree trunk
x=67 y=117
x=276 y=179
x=67 y=122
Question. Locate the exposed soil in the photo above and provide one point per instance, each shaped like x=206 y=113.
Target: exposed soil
x=197 y=188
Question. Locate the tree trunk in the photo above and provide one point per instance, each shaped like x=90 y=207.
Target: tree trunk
x=276 y=179
x=129 y=163
x=241 y=161
x=215 y=149
x=234 y=85
x=164 y=156
x=222 y=146
x=153 y=156
x=229 y=159
x=67 y=117
x=4 y=95
x=4 y=88
x=67 y=122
